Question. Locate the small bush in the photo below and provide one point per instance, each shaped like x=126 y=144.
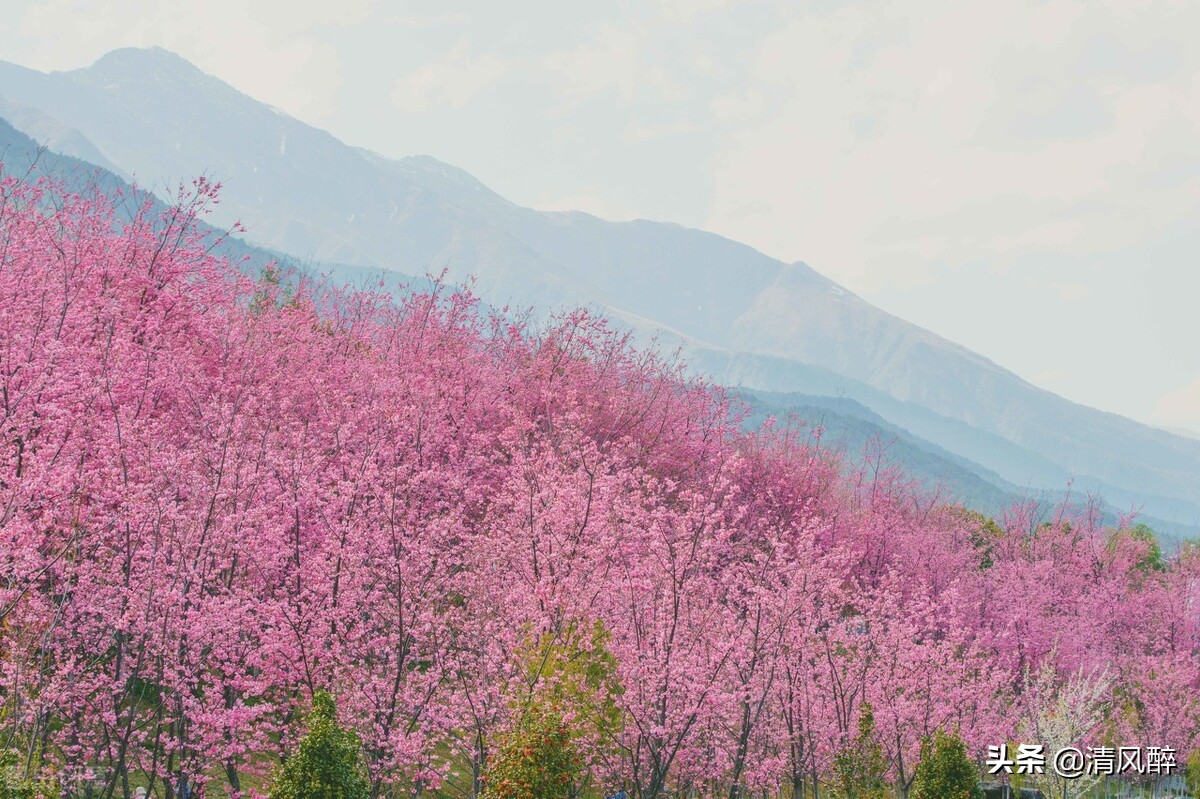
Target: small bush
x=327 y=763
x=13 y=785
x=945 y=770
x=1191 y=774
x=860 y=770
x=535 y=760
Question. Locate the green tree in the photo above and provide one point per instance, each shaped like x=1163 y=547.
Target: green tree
x=1152 y=559
x=268 y=288
x=536 y=759
x=572 y=670
x=12 y=786
x=985 y=532
x=945 y=770
x=860 y=769
x=1191 y=774
x=327 y=763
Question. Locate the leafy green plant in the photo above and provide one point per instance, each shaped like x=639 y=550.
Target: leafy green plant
x=1191 y=774
x=15 y=785
x=573 y=671
x=11 y=786
x=1152 y=557
x=945 y=770
x=860 y=769
x=536 y=759
x=327 y=763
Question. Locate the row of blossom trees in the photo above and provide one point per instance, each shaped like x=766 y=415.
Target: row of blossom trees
x=221 y=495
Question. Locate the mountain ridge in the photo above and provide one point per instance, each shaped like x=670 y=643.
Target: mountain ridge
x=301 y=191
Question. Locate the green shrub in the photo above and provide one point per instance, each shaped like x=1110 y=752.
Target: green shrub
x=860 y=769
x=945 y=770
x=536 y=759
x=11 y=785
x=327 y=763
x=1191 y=773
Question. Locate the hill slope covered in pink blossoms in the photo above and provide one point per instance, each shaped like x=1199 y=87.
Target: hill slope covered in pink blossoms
x=220 y=495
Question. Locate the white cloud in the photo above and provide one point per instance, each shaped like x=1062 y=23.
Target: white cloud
x=739 y=108
x=1038 y=160
x=686 y=10
x=1181 y=406
x=980 y=127
x=451 y=80
x=611 y=61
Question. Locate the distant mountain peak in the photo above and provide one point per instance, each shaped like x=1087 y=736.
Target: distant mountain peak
x=53 y=134
x=450 y=180
x=126 y=60
x=803 y=270
x=149 y=66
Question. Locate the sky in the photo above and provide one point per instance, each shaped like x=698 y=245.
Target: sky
x=1022 y=178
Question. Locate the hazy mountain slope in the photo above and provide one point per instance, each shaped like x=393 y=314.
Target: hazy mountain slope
x=853 y=429
x=847 y=425
x=998 y=455
x=300 y=190
x=55 y=136
x=295 y=188
x=22 y=155
x=775 y=315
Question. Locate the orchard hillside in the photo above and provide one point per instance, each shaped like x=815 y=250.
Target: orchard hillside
x=222 y=496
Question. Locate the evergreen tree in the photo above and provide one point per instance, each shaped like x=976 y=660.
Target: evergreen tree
x=860 y=770
x=327 y=761
x=945 y=770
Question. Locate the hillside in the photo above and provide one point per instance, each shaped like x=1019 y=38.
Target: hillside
x=748 y=319
x=224 y=504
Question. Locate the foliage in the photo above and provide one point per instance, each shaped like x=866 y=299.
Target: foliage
x=860 y=769
x=572 y=670
x=12 y=785
x=1145 y=540
x=945 y=770
x=536 y=759
x=984 y=533
x=15 y=784
x=265 y=298
x=327 y=761
x=1191 y=774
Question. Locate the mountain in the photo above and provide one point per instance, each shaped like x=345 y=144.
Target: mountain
x=849 y=428
x=857 y=433
x=55 y=136
x=22 y=155
x=745 y=318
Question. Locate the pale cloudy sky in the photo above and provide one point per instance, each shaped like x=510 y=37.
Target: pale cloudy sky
x=1021 y=177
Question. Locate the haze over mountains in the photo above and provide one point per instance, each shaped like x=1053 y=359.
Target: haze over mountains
x=745 y=318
